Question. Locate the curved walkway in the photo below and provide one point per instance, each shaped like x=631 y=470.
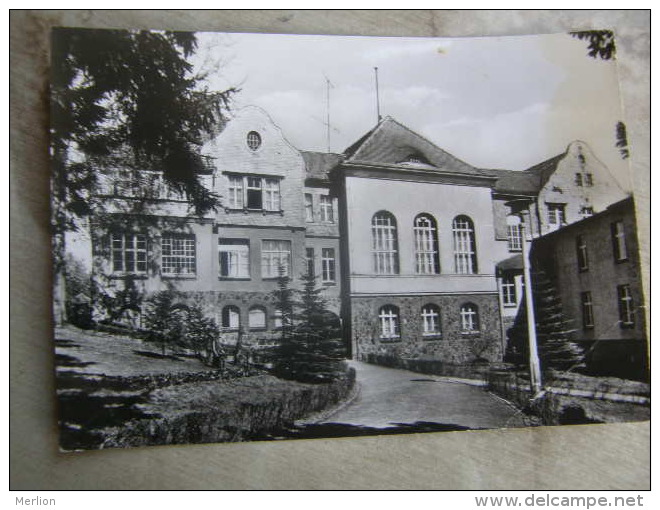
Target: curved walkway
x=391 y=397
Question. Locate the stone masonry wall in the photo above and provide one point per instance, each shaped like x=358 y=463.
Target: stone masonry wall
x=452 y=346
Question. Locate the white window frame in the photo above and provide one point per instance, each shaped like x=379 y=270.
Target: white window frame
x=327 y=211
x=586 y=211
x=384 y=243
x=508 y=285
x=626 y=307
x=465 y=250
x=275 y=253
x=388 y=317
x=128 y=253
x=242 y=187
x=431 y=320
x=179 y=255
x=237 y=258
x=582 y=253
x=556 y=214
x=619 y=241
x=328 y=265
x=469 y=313
x=235 y=194
x=271 y=194
x=587 y=310
x=426 y=245
x=514 y=238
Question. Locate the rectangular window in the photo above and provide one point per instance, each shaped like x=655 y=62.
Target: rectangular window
x=328 y=265
x=327 y=213
x=235 y=195
x=469 y=319
x=509 y=290
x=585 y=212
x=556 y=214
x=129 y=253
x=514 y=238
x=254 y=193
x=389 y=322
x=587 y=310
x=430 y=321
x=309 y=260
x=234 y=258
x=588 y=179
x=582 y=255
x=178 y=255
x=271 y=194
x=619 y=242
x=275 y=255
x=578 y=179
x=309 y=208
x=626 y=309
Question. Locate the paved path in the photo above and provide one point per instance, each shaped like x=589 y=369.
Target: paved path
x=389 y=397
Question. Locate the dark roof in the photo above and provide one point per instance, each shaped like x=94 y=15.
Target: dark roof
x=319 y=164
x=514 y=262
x=512 y=181
x=392 y=143
x=528 y=181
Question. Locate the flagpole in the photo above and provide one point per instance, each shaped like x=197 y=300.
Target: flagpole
x=377 y=95
x=327 y=99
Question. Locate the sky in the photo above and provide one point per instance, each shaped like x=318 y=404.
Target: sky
x=494 y=102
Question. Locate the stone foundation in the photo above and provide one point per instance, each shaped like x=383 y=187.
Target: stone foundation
x=452 y=346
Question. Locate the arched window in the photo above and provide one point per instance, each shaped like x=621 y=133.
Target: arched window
x=231 y=317
x=465 y=248
x=385 y=246
x=389 y=322
x=257 y=318
x=431 y=320
x=469 y=318
x=426 y=245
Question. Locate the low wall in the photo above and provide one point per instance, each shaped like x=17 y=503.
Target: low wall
x=574 y=398
x=236 y=421
x=477 y=371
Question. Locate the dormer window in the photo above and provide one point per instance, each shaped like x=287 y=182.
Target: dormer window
x=415 y=159
x=253 y=140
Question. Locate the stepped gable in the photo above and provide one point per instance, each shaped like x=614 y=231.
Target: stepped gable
x=319 y=164
x=391 y=143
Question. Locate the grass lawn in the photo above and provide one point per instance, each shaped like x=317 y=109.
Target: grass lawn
x=120 y=391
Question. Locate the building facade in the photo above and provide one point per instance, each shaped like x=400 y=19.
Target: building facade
x=414 y=247
x=594 y=265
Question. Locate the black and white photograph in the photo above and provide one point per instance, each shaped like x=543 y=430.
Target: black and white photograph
x=263 y=237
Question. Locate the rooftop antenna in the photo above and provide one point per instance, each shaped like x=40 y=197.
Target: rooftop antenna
x=377 y=95
x=328 y=86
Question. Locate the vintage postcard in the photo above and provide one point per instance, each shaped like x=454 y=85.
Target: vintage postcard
x=265 y=237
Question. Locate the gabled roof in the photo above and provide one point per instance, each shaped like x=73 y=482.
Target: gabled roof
x=528 y=181
x=319 y=164
x=391 y=143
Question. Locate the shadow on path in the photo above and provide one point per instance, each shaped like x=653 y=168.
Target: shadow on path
x=330 y=429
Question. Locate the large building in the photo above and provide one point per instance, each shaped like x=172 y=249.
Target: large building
x=594 y=265
x=412 y=245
